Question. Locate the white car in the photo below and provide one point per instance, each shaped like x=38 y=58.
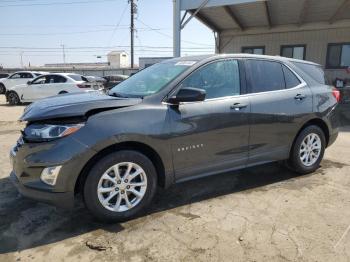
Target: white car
x=45 y=86
x=17 y=78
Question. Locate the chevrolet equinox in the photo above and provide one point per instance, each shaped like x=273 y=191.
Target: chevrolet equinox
x=178 y=120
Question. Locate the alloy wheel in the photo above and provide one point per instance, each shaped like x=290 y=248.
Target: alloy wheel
x=310 y=149
x=13 y=99
x=122 y=187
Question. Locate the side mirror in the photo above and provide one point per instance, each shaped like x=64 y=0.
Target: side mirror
x=188 y=94
x=29 y=82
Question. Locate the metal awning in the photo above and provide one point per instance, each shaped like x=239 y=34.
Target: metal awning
x=241 y=15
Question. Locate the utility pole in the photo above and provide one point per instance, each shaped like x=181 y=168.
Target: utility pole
x=64 y=54
x=176 y=28
x=21 y=54
x=133 y=11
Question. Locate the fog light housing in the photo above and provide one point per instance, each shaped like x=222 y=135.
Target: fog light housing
x=49 y=175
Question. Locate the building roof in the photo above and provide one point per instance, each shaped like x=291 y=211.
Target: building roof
x=222 y=15
x=116 y=52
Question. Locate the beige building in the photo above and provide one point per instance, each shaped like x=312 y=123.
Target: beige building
x=324 y=44
x=315 y=30
x=118 y=59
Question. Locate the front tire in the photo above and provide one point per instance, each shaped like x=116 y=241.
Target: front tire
x=13 y=98
x=120 y=186
x=308 y=150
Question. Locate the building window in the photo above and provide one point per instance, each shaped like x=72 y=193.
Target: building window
x=256 y=50
x=294 y=51
x=338 y=56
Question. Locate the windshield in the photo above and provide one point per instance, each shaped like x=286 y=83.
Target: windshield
x=150 y=80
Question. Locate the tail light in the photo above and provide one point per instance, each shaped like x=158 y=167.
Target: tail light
x=336 y=94
x=82 y=86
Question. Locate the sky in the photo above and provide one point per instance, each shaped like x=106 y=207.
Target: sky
x=89 y=29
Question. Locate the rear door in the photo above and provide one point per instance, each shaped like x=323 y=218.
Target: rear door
x=35 y=88
x=280 y=101
x=54 y=85
x=211 y=136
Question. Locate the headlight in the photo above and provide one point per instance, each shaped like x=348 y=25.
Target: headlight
x=40 y=132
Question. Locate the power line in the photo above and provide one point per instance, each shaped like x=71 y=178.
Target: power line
x=57 y=3
x=75 y=25
x=169 y=36
x=48 y=49
x=68 y=33
x=120 y=20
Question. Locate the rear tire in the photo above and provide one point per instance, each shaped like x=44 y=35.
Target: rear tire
x=113 y=198
x=2 y=89
x=62 y=92
x=13 y=98
x=307 y=151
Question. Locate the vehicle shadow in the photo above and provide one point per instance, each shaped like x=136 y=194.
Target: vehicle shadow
x=8 y=105
x=25 y=224
x=343 y=111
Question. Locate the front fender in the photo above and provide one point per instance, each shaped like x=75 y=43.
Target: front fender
x=144 y=125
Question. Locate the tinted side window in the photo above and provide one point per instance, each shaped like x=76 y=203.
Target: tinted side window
x=26 y=75
x=218 y=79
x=290 y=78
x=76 y=77
x=15 y=76
x=265 y=76
x=314 y=71
x=59 y=79
x=39 y=80
x=53 y=79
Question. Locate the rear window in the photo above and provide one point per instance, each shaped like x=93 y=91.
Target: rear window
x=314 y=71
x=77 y=77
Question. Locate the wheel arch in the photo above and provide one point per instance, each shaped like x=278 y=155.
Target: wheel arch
x=136 y=146
x=14 y=92
x=316 y=122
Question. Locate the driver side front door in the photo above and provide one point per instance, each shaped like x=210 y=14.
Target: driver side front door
x=211 y=136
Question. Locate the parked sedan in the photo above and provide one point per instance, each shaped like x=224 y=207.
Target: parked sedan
x=45 y=86
x=114 y=80
x=17 y=78
x=4 y=75
x=96 y=82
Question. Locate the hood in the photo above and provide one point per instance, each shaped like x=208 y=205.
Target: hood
x=74 y=105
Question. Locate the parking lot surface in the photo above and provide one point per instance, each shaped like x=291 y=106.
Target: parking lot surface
x=264 y=213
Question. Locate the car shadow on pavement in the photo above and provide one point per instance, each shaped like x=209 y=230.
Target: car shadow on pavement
x=25 y=224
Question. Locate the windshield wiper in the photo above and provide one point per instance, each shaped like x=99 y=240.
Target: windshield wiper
x=115 y=94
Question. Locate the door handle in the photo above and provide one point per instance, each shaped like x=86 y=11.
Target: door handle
x=299 y=97
x=238 y=106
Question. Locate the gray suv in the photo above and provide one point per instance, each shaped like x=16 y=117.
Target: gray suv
x=178 y=120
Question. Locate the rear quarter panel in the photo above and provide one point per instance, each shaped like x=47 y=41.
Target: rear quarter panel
x=324 y=107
